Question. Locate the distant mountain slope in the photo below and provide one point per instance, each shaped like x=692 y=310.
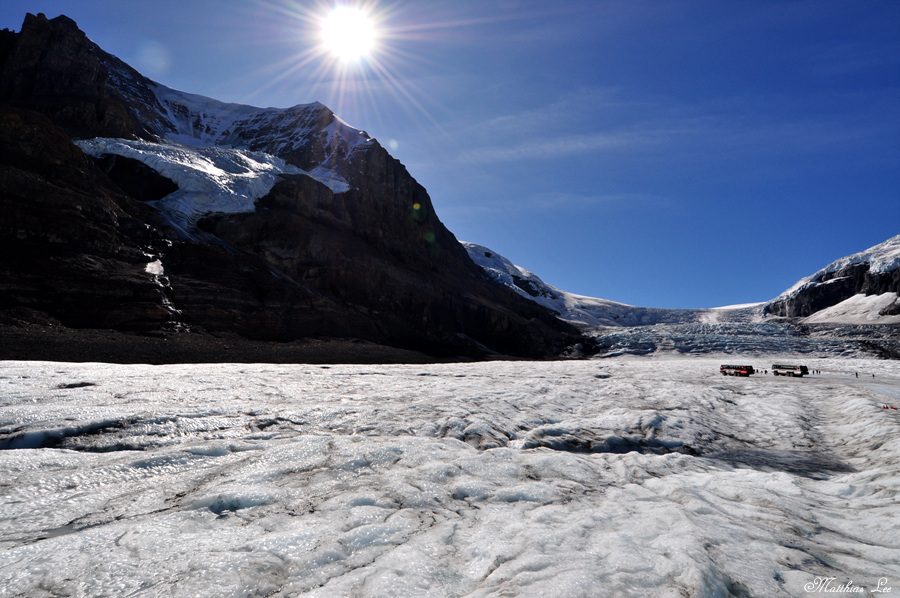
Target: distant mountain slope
x=198 y=215
x=860 y=288
x=845 y=329
x=591 y=311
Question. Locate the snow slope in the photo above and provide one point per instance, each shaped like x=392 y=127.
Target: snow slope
x=213 y=178
x=859 y=309
x=638 y=477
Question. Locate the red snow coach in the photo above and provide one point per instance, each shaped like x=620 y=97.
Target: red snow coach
x=736 y=370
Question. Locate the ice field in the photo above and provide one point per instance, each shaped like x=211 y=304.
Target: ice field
x=620 y=477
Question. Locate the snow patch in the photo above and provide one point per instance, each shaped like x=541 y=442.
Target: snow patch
x=155 y=268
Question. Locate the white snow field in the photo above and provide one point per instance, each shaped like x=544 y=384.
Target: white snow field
x=624 y=477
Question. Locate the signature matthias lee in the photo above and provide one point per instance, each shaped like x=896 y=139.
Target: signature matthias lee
x=831 y=586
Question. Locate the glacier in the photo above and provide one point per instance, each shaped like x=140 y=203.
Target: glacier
x=210 y=179
x=593 y=313
x=626 y=477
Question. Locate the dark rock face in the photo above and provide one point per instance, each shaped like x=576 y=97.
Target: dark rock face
x=835 y=287
x=891 y=310
x=69 y=241
x=135 y=178
x=80 y=247
x=398 y=274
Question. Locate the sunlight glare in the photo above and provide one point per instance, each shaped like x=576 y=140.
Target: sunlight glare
x=348 y=33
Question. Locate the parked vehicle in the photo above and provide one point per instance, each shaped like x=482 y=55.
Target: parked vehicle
x=736 y=370
x=790 y=370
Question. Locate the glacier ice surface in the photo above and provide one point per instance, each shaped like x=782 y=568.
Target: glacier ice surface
x=634 y=476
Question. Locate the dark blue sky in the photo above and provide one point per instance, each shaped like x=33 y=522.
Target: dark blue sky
x=666 y=154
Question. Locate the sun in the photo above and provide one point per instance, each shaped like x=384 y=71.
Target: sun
x=348 y=33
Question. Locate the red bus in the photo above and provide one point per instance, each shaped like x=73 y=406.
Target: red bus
x=736 y=370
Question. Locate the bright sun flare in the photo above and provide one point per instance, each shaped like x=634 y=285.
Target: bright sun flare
x=348 y=33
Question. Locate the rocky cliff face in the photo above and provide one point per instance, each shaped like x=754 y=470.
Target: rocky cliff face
x=86 y=243
x=836 y=287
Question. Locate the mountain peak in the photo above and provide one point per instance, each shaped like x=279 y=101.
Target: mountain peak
x=52 y=66
x=41 y=19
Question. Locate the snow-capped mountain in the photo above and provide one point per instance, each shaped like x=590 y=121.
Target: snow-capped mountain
x=861 y=288
x=91 y=93
x=308 y=135
x=222 y=156
x=281 y=224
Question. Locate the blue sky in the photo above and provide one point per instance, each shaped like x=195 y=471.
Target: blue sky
x=669 y=154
